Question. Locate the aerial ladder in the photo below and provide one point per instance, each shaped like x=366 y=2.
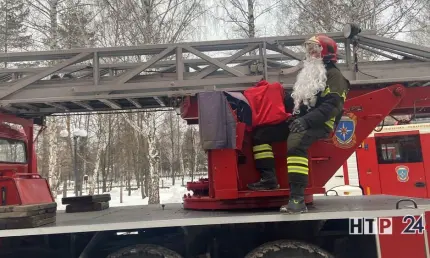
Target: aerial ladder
x=93 y=80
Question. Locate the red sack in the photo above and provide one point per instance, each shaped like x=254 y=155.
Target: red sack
x=267 y=103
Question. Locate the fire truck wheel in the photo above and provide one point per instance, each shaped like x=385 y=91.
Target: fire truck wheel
x=144 y=251
x=288 y=248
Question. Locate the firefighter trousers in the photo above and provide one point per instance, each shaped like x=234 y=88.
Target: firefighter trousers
x=297 y=149
x=262 y=139
x=297 y=153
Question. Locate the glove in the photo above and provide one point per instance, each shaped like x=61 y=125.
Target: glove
x=298 y=125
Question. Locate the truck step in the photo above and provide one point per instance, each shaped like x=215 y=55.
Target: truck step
x=27 y=216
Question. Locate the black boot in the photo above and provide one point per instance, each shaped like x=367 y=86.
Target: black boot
x=268 y=181
x=296 y=203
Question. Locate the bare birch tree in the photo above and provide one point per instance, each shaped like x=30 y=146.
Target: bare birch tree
x=147 y=21
x=241 y=16
x=388 y=17
x=190 y=150
x=99 y=148
x=419 y=28
x=14 y=35
x=153 y=121
x=54 y=171
x=44 y=20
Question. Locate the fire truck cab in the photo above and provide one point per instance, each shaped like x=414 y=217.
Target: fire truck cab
x=392 y=161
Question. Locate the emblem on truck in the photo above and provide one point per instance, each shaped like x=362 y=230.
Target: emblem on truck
x=344 y=136
x=402 y=173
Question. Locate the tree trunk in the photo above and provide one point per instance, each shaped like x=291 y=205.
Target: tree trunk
x=91 y=179
x=172 y=149
x=154 y=189
x=120 y=189
x=154 y=168
x=64 y=187
x=143 y=188
x=53 y=12
x=129 y=183
x=52 y=152
x=195 y=149
x=45 y=154
x=251 y=19
x=147 y=181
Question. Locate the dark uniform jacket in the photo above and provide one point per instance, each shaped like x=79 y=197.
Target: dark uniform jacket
x=328 y=108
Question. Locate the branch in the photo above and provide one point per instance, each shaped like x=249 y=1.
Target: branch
x=45 y=12
x=268 y=9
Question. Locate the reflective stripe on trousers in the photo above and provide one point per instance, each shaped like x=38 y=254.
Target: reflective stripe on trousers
x=263 y=151
x=298 y=165
x=263 y=156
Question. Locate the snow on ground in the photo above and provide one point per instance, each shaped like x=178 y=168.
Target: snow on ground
x=170 y=194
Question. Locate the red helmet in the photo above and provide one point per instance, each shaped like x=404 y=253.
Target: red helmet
x=327 y=47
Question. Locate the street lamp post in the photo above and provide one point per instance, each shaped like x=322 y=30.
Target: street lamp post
x=77 y=133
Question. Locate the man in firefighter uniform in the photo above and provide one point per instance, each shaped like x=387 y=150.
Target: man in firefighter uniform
x=318 y=97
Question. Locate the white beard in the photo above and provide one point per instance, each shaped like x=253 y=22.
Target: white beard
x=310 y=80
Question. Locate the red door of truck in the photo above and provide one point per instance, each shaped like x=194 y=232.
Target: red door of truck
x=400 y=164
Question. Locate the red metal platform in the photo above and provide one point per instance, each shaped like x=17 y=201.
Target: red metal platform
x=230 y=170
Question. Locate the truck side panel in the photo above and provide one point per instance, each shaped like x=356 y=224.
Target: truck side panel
x=367 y=164
x=425 y=146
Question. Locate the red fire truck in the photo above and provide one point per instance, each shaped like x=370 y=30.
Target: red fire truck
x=221 y=218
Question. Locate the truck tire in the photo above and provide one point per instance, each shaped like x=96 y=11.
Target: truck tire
x=288 y=249
x=144 y=251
